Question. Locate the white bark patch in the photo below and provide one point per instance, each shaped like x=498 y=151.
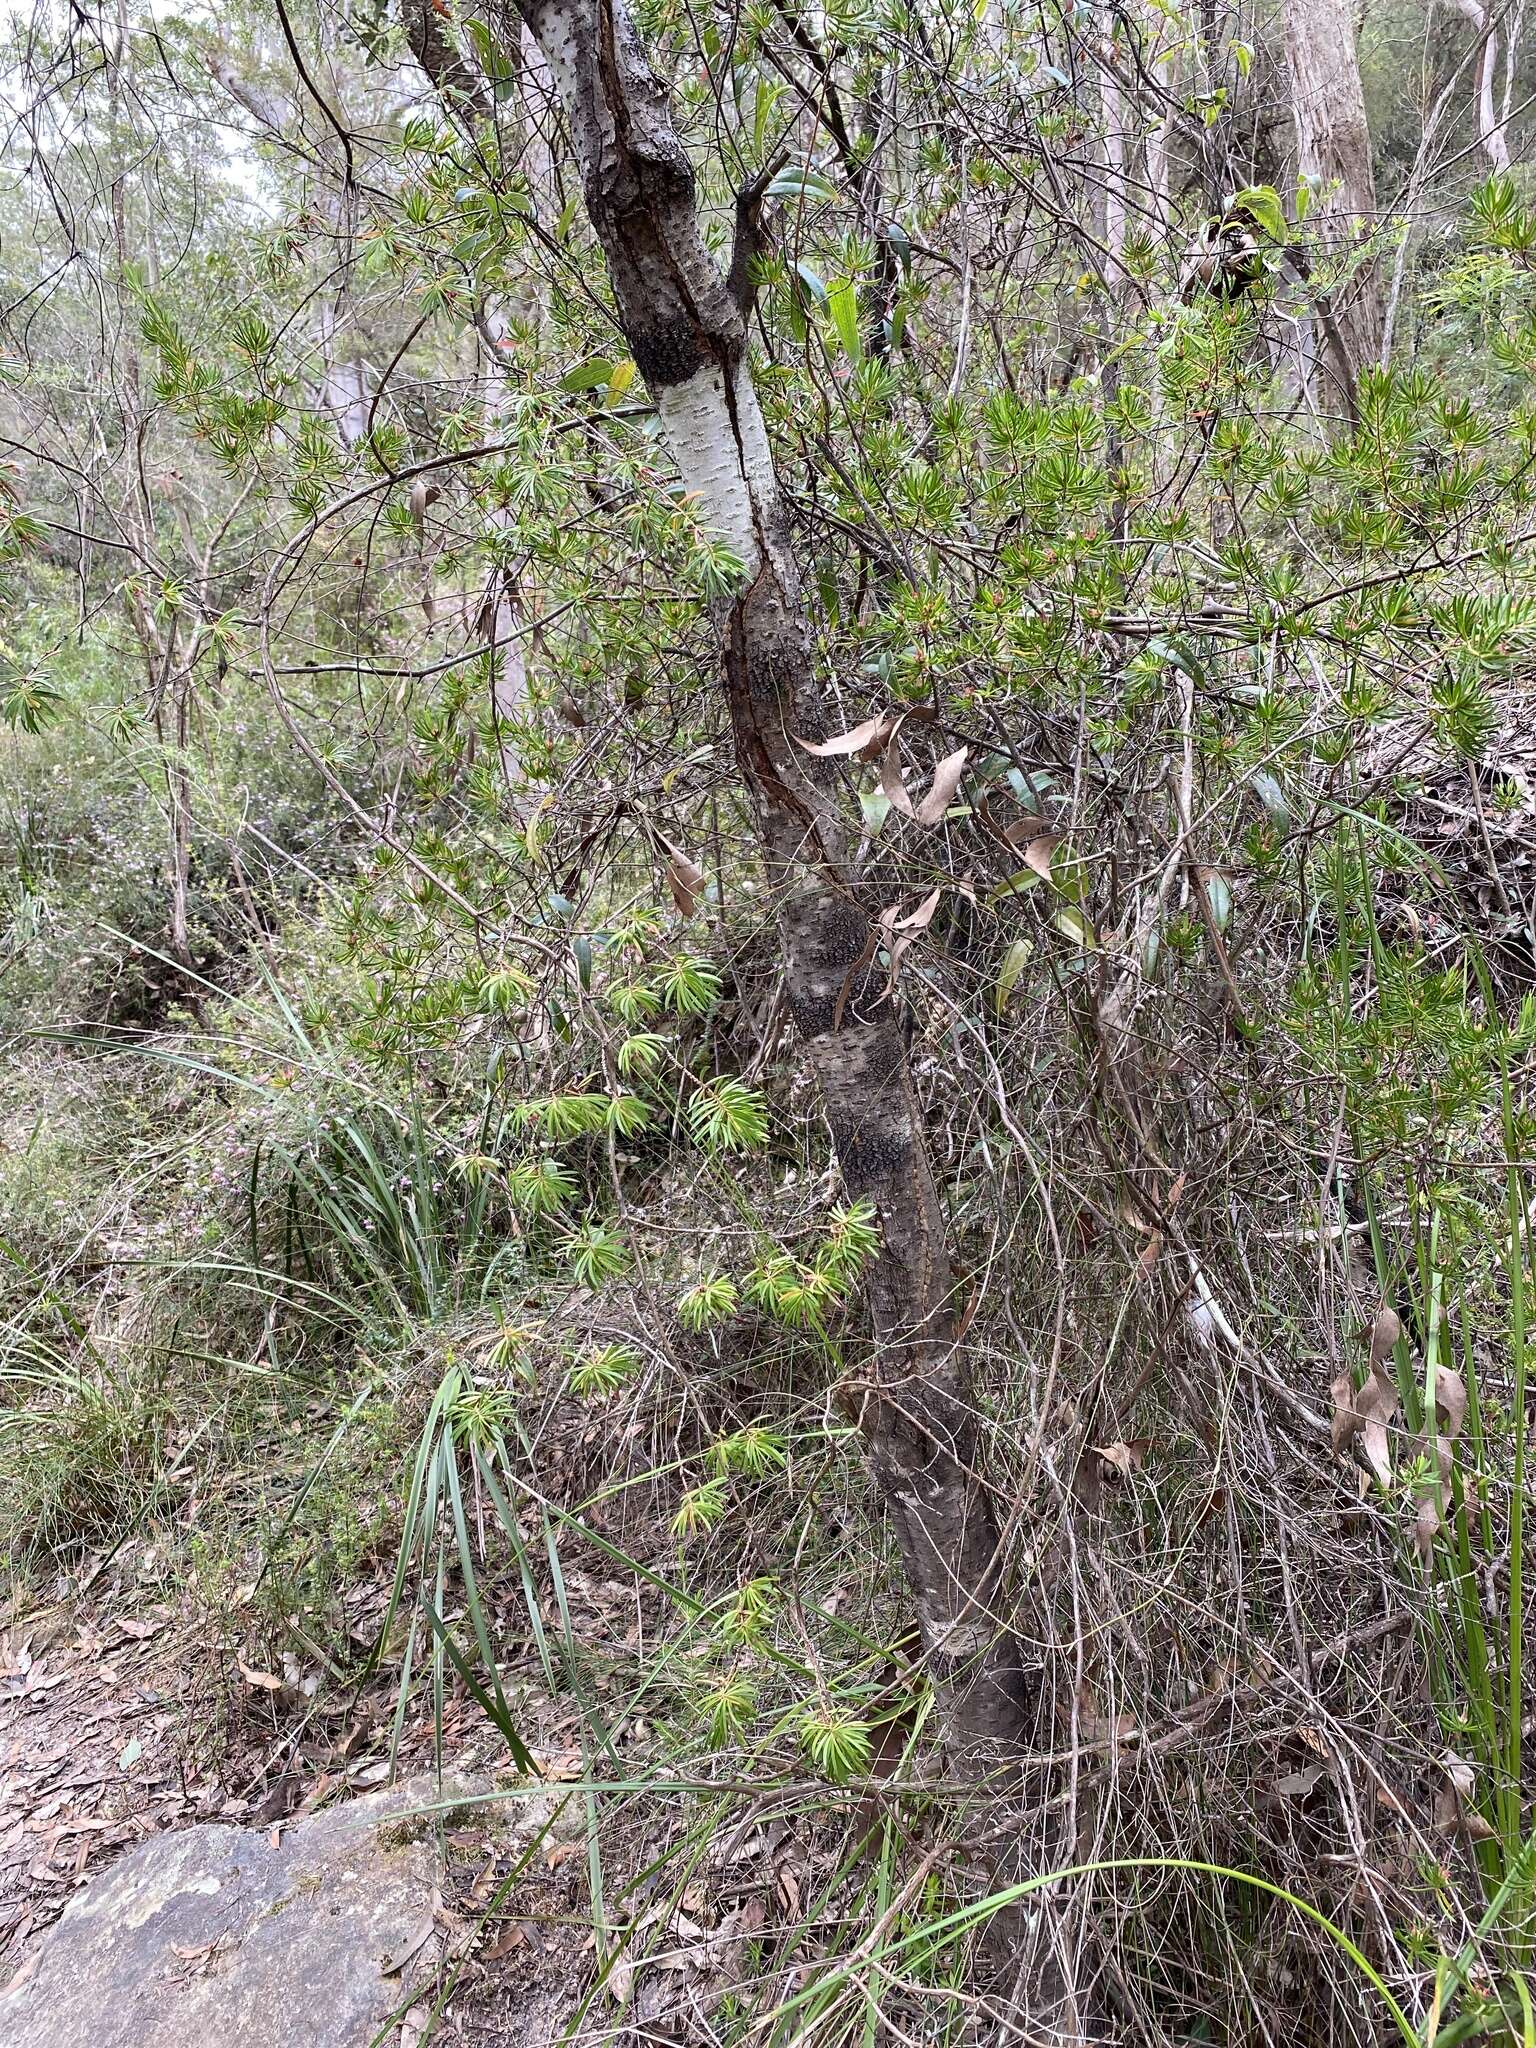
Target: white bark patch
x=509 y=684
x=727 y=476
x=558 y=38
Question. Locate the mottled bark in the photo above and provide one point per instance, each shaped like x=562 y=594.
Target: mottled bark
x=687 y=334
x=1334 y=151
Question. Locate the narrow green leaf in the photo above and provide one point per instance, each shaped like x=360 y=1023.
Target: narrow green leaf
x=843 y=305
x=1015 y=960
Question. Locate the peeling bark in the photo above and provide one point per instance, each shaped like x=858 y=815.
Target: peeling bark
x=687 y=335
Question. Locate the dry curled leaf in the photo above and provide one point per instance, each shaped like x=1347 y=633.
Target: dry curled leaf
x=1037 y=855
x=1385 y=1332
x=867 y=738
x=1362 y=1416
x=423 y=494
x=685 y=878
x=1119 y=1460
x=1450 y=1401
x=264 y=1681
x=946 y=780
x=1297 y=1784
x=891 y=922
x=1429 y=1517
x=1097 y=1729
x=894 y=789
x=1453 y=1811
x=919 y=920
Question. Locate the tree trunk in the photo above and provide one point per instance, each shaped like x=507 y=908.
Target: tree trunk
x=687 y=334
x=1492 y=132
x=1334 y=149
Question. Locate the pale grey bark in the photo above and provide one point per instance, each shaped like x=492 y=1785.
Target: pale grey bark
x=1492 y=128
x=1334 y=151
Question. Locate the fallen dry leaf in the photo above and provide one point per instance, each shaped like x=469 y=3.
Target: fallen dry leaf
x=264 y=1681
x=1429 y=1517
x=1385 y=1332
x=685 y=878
x=1450 y=1400
x=507 y=1943
x=890 y=779
x=1297 y=1784
x=1364 y=1414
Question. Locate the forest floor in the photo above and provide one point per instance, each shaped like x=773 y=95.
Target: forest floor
x=117 y=1722
x=120 y=1719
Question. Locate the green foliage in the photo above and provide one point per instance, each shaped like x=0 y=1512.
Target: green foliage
x=372 y=803
x=728 y=1116
x=603 y=1370
x=709 y=1301
x=837 y=1745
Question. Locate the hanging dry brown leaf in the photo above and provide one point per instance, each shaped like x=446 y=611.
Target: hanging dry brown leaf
x=1429 y=1516
x=1117 y=1461
x=919 y=920
x=1297 y=1784
x=867 y=738
x=1454 y=1811
x=890 y=779
x=1450 y=1400
x=1346 y=1417
x=1363 y=1415
x=422 y=495
x=946 y=780
x=891 y=922
x=685 y=878
x=1377 y=1403
x=1037 y=855
x=686 y=881
x=1385 y=1332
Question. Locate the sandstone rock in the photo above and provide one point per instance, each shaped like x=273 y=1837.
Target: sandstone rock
x=217 y=1938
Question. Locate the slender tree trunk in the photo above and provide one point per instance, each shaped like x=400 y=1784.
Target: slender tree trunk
x=1491 y=130
x=687 y=334
x=1334 y=149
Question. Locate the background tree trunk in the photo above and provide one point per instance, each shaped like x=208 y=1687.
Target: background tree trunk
x=1334 y=151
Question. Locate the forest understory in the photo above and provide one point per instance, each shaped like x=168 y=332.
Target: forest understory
x=768 y=984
